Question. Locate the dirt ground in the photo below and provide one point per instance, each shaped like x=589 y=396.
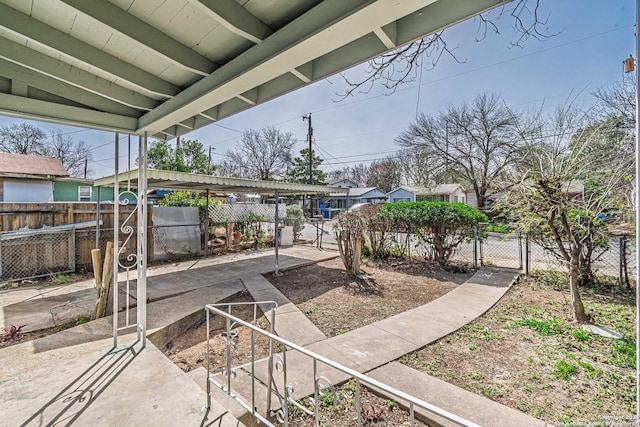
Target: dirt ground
x=189 y=351
x=337 y=303
x=528 y=353
x=332 y=300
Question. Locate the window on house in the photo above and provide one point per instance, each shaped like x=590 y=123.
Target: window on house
x=84 y=193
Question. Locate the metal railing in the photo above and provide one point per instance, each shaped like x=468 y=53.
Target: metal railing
x=277 y=366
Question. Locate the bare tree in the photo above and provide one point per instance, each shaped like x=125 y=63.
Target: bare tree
x=542 y=196
x=619 y=101
x=264 y=154
x=417 y=167
x=358 y=174
x=385 y=174
x=474 y=143
x=22 y=138
x=73 y=154
x=392 y=69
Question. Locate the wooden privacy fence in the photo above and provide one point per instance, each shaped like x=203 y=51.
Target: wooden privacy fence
x=39 y=250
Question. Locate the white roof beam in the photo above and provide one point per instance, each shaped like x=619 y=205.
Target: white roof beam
x=321 y=30
x=188 y=124
x=211 y=113
x=387 y=35
x=35 y=31
x=18 y=88
x=235 y=18
x=64 y=72
x=304 y=72
x=18 y=106
x=250 y=96
x=28 y=77
x=325 y=28
x=143 y=33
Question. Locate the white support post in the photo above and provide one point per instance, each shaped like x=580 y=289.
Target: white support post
x=142 y=238
x=277 y=234
x=637 y=209
x=116 y=233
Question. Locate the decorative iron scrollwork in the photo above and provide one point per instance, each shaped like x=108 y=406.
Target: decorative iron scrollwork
x=127 y=228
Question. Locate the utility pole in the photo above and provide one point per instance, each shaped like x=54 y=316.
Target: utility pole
x=310 y=137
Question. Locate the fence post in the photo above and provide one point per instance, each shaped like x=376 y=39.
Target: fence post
x=72 y=249
x=621 y=257
x=520 y=248
x=527 y=258
x=475 y=247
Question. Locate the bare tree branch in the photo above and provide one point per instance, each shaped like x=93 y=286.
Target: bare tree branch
x=400 y=66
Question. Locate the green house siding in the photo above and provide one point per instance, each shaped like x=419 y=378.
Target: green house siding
x=65 y=191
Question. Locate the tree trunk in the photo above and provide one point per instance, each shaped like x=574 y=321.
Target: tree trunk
x=574 y=284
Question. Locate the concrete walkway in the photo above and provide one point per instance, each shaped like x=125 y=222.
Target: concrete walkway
x=372 y=346
x=42 y=307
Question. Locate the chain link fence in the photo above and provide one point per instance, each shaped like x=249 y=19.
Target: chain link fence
x=513 y=250
x=239 y=213
x=37 y=253
x=617 y=260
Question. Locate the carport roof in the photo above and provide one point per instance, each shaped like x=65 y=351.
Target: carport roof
x=171 y=180
x=168 y=67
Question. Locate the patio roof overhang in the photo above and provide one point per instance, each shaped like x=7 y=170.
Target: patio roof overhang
x=170 y=180
x=167 y=68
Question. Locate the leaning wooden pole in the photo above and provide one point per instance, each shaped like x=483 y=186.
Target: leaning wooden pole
x=105 y=290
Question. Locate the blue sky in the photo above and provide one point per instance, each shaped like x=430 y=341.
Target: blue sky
x=595 y=36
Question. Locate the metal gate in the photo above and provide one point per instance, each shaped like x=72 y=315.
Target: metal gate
x=500 y=249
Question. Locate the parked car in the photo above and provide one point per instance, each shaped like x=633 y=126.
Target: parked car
x=357 y=207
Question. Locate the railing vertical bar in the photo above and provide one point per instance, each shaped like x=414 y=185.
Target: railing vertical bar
x=208 y=360
x=270 y=380
x=127 y=299
x=358 y=402
x=253 y=365
x=316 y=412
x=285 y=407
x=412 y=414
x=228 y=341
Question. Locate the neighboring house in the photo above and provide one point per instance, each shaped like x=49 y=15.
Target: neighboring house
x=27 y=178
x=343 y=183
x=442 y=192
x=490 y=197
x=573 y=189
x=79 y=190
x=355 y=195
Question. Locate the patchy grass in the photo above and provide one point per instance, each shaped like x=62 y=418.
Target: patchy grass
x=528 y=353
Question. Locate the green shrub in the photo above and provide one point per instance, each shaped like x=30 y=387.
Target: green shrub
x=295 y=218
x=497 y=228
x=189 y=198
x=440 y=226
